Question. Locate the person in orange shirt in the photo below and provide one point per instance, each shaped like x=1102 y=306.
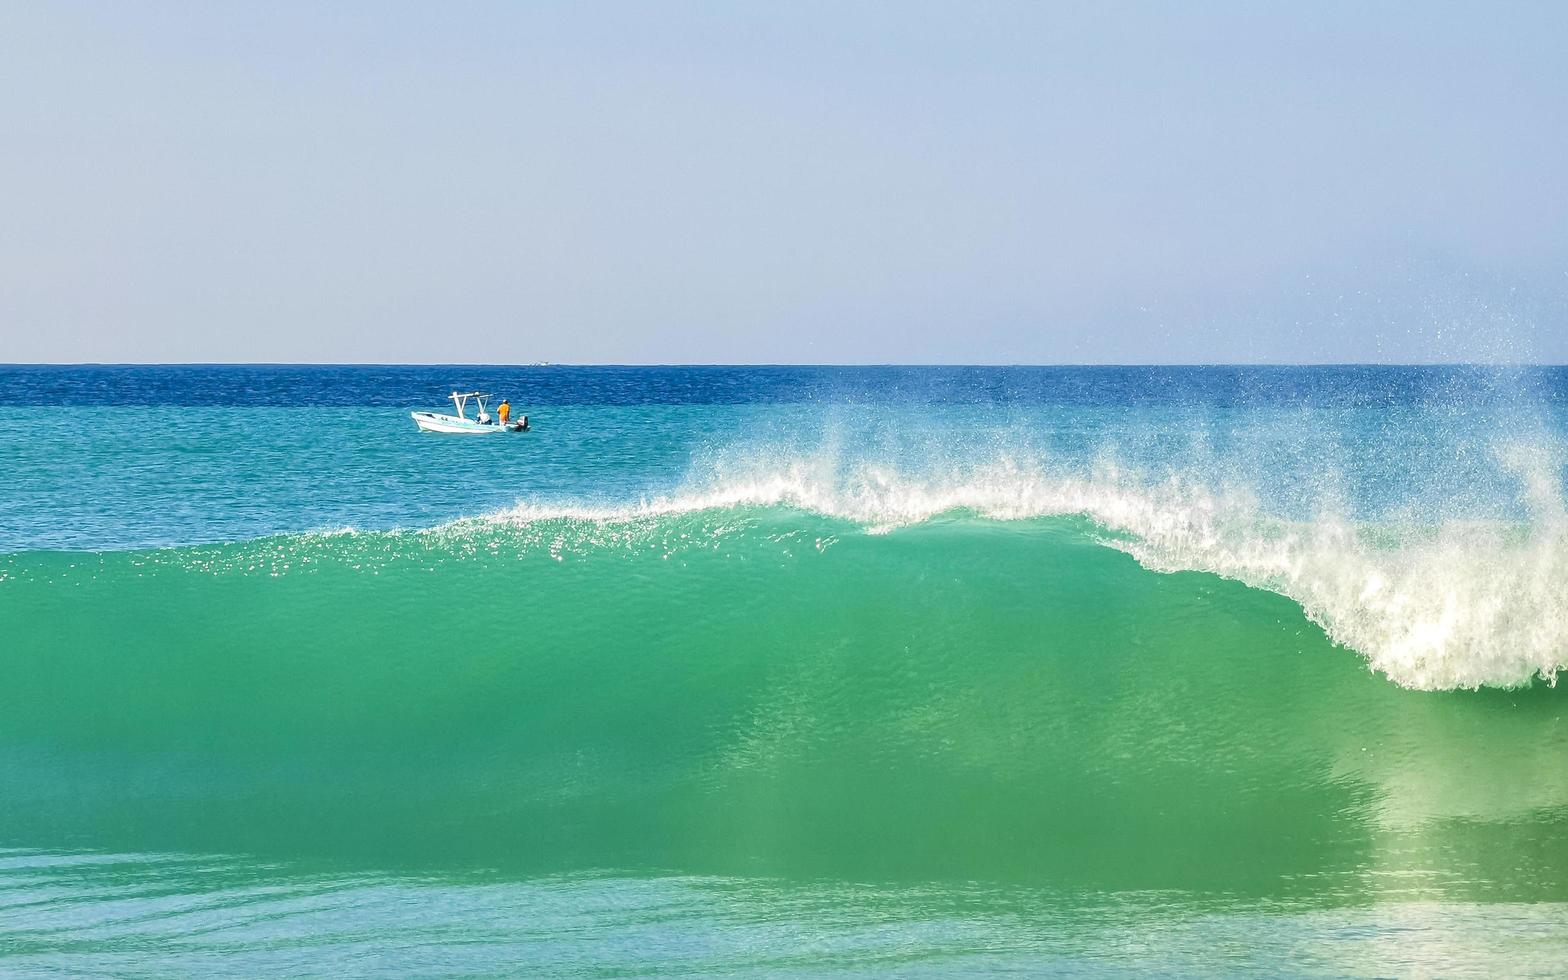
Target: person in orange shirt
x=505 y=411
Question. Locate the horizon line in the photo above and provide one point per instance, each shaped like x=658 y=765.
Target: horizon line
x=778 y=364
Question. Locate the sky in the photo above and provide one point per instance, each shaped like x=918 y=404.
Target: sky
x=804 y=182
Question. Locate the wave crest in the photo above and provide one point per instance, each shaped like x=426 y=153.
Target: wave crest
x=1432 y=604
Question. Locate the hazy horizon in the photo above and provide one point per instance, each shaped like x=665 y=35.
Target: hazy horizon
x=988 y=184
x=1500 y=365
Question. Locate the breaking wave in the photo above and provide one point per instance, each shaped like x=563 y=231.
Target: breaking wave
x=1431 y=603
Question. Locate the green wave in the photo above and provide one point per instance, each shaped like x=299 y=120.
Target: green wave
x=753 y=692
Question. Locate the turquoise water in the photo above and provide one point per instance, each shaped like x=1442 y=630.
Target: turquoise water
x=785 y=671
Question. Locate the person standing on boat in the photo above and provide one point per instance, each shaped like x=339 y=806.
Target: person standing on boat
x=504 y=411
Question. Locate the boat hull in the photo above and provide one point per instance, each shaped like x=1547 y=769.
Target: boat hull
x=453 y=425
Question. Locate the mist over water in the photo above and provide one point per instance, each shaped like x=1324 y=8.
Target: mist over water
x=947 y=669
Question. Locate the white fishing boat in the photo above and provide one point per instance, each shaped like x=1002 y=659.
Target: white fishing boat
x=460 y=424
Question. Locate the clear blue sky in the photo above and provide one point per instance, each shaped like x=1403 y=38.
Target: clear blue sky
x=796 y=182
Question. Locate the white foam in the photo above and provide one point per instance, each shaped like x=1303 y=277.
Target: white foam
x=1431 y=604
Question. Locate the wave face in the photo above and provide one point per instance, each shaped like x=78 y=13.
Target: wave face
x=754 y=689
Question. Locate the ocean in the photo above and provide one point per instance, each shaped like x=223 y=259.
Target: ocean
x=792 y=671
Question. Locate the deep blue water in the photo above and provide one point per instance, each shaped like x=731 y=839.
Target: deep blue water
x=416 y=385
